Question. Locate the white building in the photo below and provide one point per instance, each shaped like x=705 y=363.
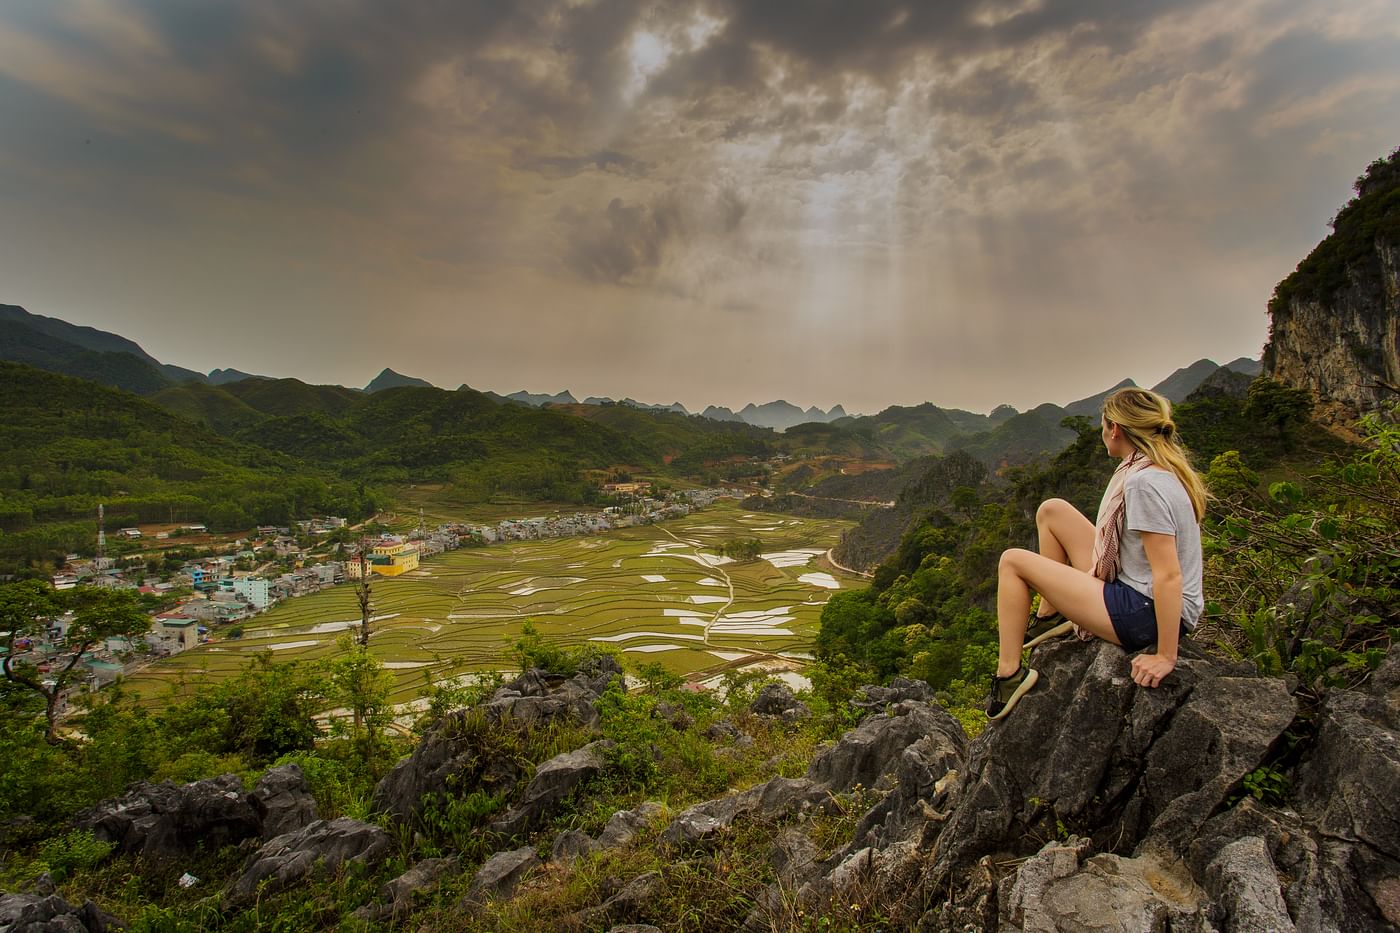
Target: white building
x=255 y=590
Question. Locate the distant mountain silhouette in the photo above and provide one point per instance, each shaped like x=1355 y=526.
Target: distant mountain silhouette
x=529 y=398
x=1091 y=406
x=218 y=377
x=716 y=413
x=388 y=379
x=1245 y=366
x=1185 y=380
x=57 y=346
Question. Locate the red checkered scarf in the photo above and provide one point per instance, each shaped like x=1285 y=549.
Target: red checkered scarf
x=1108 y=530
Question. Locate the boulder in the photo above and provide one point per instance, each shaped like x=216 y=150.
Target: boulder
x=283 y=801
x=169 y=820
x=34 y=913
x=776 y=799
x=630 y=903
x=875 y=699
x=499 y=875
x=776 y=700
x=571 y=844
x=322 y=847
x=1090 y=746
x=624 y=825
x=552 y=784
x=397 y=897
x=872 y=749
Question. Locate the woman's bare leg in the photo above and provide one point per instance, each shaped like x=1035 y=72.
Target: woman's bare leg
x=1078 y=594
x=1066 y=537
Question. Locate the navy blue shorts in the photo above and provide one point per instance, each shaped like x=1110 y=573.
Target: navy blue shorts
x=1133 y=615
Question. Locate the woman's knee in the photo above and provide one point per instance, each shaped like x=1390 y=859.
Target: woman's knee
x=1011 y=560
x=1051 y=508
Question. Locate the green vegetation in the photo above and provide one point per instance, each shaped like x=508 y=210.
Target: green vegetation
x=72 y=444
x=930 y=612
x=1374 y=214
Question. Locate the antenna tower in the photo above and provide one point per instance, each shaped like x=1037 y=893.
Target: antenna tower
x=422 y=526
x=101 y=532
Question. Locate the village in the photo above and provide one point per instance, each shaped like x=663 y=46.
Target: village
x=211 y=595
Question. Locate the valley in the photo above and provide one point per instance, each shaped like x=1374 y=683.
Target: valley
x=658 y=593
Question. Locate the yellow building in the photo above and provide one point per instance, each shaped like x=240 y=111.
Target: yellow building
x=390 y=560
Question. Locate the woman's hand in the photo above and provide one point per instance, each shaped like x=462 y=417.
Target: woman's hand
x=1149 y=669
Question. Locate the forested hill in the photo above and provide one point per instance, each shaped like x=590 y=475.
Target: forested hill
x=70 y=444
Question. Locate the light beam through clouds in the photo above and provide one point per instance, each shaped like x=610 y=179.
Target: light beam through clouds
x=867 y=203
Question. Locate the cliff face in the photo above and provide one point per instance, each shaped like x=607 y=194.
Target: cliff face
x=1336 y=319
x=1344 y=348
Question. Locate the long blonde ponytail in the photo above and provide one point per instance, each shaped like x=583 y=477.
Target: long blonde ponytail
x=1146 y=420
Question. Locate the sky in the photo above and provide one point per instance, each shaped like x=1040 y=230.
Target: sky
x=970 y=202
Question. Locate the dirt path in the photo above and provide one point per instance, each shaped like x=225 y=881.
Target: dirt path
x=720 y=570
x=831 y=559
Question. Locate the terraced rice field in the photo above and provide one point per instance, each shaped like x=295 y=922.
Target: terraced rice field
x=659 y=592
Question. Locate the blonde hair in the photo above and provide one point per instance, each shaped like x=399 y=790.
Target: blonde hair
x=1146 y=420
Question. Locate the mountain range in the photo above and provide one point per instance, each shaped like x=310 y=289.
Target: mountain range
x=88 y=353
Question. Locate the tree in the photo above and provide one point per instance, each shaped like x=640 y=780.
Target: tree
x=26 y=611
x=1280 y=406
x=359 y=681
x=362 y=594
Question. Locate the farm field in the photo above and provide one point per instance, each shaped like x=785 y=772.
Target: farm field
x=657 y=593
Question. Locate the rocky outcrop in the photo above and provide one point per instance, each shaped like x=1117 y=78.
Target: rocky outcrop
x=499 y=875
x=553 y=783
x=777 y=700
x=283 y=802
x=323 y=847
x=170 y=820
x=397 y=898
x=35 y=913
x=455 y=756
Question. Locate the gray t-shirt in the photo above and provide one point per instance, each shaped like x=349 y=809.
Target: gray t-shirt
x=1156 y=501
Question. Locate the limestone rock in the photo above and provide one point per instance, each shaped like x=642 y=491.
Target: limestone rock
x=323 y=846
x=875 y=699
x=553 y=782
x=450 y=760
x=624 y=825
x=571 y=844
x=397 y=897
x=283 y=801
x=169 y=820
x=498 y=877
x=776 y=700
x=775 y=799
x=872 y=749
x=33 y=913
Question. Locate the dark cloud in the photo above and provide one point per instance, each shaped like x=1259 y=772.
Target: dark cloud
x=624 y=245
x=606 y=160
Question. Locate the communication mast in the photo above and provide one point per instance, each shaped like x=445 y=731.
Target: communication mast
x=101 y=533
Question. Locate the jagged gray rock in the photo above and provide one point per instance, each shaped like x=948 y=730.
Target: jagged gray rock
x=876 y=699
x=34 y=913
x=553 y=782
x=282 y=800
x=450 y=758
x=169 y=820
x=776 y=700
x=571 y=844
x=397 y=897
x=624 y=825
x=500 y=874
x=872 y=749
x=775 y=799
x=323 y=846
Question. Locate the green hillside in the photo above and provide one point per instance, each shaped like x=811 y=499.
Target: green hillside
x=208 y=405
x=20 y=343
x=71 y=444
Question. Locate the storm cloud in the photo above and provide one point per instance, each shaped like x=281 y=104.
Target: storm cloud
x=963 y=202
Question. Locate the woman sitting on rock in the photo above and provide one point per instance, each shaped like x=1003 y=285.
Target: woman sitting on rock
x=1132 y=578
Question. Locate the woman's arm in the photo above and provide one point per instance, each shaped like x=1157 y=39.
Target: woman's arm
x=1149 y=669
